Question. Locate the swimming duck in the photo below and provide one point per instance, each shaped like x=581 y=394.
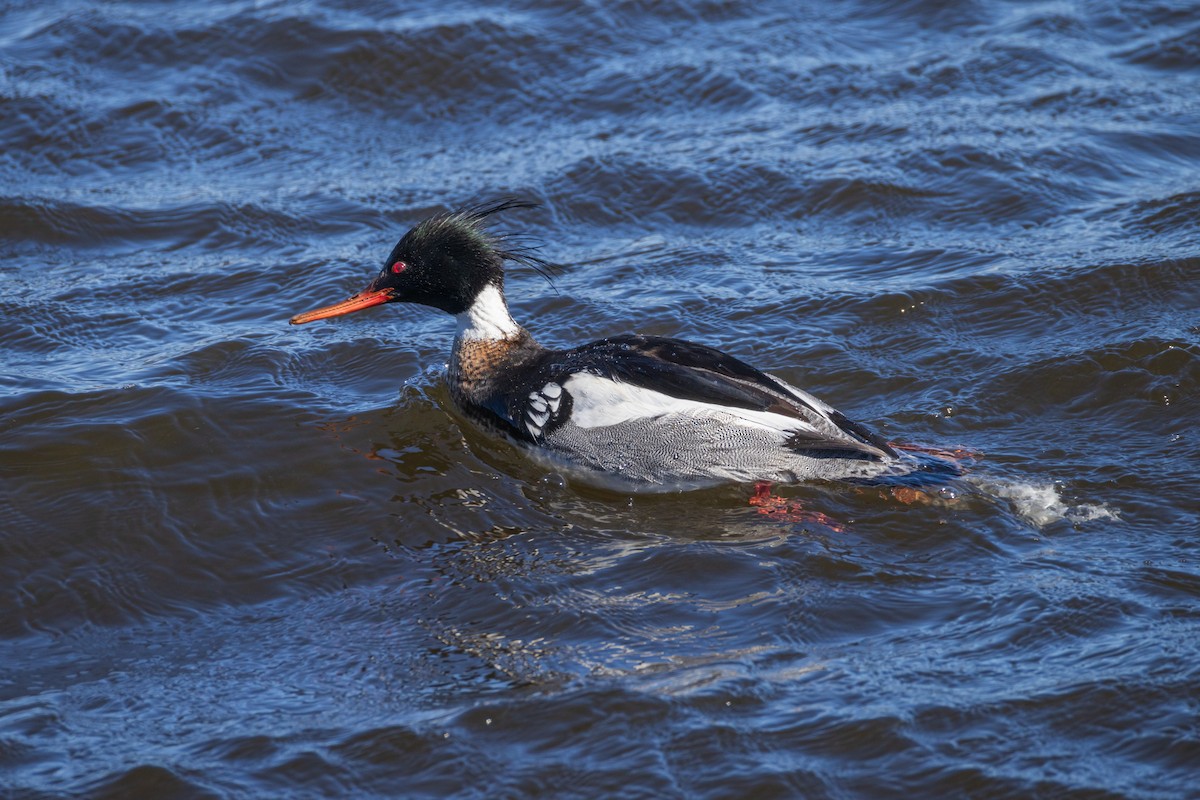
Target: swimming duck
x=640 y=413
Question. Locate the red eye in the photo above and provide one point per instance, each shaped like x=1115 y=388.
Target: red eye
x=399 y=267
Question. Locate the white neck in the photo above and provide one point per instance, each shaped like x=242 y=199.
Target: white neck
x=487 y=318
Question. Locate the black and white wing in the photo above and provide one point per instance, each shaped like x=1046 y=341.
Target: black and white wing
x=625 y=379
x=542 y=410
x=618 y=379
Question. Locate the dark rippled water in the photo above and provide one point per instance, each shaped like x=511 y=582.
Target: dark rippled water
x=239 y=559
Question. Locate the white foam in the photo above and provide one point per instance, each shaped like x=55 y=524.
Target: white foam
x=1042 y=504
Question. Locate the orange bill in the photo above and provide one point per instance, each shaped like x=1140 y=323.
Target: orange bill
x=357 y=303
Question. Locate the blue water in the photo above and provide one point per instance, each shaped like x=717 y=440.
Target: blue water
x=242 y=559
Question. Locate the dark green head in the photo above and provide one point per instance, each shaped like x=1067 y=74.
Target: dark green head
x=444 y=262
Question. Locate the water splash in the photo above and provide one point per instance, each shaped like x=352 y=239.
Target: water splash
x=1042 y=504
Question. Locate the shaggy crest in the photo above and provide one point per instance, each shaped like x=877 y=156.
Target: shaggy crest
x=467 y=229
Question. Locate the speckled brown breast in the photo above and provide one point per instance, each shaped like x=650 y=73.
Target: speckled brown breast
x=475 y=363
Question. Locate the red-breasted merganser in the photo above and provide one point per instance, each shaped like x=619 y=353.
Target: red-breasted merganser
x=641 y=413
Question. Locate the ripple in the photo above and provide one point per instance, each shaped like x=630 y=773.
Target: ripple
x=1171 y=52
x=674 y=87
x=240 y=558
x=207 y=225
x=440 y=69
x=1169 y=215
x=148 y=779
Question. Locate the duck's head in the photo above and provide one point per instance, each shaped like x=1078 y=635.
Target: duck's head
x=445 y=262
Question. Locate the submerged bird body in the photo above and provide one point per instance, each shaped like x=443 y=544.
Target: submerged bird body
x=657 y=412
x=628 y=412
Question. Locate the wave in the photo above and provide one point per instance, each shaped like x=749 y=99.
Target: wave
x=216 y=225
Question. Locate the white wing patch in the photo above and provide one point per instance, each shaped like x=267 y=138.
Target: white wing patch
x=543 y=404
x=600 y=402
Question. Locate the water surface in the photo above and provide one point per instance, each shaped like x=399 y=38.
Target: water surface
x=240 y=559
